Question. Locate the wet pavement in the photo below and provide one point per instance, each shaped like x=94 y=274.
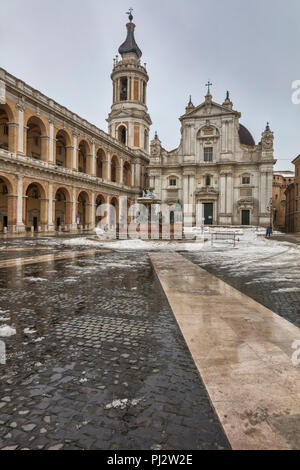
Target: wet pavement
x=273 y=281
x=244 y=354
x=98 y=361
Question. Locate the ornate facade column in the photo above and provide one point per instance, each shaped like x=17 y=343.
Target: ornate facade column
x=13 y=137
x=45 y=144
x=44 y=213
x=75 y=164
x=94 y=159
x=51 y=142
x=21 y=129
x=51 y=226
x=69 y=157
x=20 y=203
x=108 y=166
x=222 y=193
x=89 y=164
x=121 y=170
x=132 y=175
x=93 y=214
x=11 y=211
x=74 y=210
x=138 y=174
x=229 y=189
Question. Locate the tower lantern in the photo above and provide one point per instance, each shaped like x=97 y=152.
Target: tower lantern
x=129 y=121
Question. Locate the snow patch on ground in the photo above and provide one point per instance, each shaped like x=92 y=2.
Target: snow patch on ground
x=28 y=331
x=122 y=404
x=35 y=279
x=7 y=331
x=288 y=289
x=82 y=241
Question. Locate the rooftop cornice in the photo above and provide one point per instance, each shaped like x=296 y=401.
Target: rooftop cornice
x=74 y=176
x=20 y=88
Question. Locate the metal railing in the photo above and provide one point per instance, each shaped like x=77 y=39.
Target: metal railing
x=230 y=237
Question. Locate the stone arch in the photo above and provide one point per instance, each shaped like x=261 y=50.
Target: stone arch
x=83 y=209
x=8 y=208
x=100 y=163
x=63 y=149
x=36 y=210
x=37 y=140
x=63 y=208
x=127 y=174
x=8 y=129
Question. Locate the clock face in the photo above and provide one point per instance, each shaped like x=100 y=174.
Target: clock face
x=283 y=203
x=268 y=143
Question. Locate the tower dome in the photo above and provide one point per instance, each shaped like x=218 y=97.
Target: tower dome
x=130 y=46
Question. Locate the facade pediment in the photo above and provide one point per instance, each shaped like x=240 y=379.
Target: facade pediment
x=210 y=109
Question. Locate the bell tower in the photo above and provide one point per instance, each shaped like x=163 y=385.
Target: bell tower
x=129 y=121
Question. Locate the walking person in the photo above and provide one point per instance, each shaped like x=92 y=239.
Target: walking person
x=269 y=232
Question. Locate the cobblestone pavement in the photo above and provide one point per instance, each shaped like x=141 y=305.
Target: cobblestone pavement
x=274 y=281
x=98 y=361
x=33 y=245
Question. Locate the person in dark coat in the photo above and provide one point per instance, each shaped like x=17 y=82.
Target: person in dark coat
x=269 y=232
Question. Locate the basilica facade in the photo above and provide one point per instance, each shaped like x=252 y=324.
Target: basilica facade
x=217 y=173
x=56 y=168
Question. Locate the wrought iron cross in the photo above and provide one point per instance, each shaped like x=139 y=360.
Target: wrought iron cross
x=209 y=84
x=130 y=13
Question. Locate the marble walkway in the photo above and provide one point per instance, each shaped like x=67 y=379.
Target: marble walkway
x=245 y=353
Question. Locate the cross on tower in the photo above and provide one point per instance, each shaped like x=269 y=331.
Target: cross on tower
x=209 y=84
x=130 y=13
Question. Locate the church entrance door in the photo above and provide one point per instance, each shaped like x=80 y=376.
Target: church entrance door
x=246 y=217
x=208 y=213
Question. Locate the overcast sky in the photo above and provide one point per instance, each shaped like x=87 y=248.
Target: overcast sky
x=65 y=49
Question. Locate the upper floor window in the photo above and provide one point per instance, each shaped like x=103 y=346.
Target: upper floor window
x=208 y=154
x=173 y=182
x=122 y=134
x=124 y=89
x=207 y=180
x=246 y=180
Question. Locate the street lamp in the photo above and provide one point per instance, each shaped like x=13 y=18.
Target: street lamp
x=270 y=209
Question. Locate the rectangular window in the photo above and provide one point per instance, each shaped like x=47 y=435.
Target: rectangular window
x=246 y=180
x=173 y=182
x=36 y=141
x=5 y=130
x=208 y=154
x=124 y=89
